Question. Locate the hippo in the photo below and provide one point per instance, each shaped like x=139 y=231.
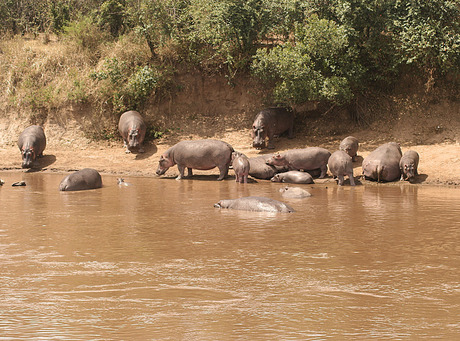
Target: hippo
x=408 y=165
x=341 y=164
x=303 y=159
x=261 y=204
x=383 y=163
x=31 y=143
x=294 y=192
x=197 y=154
x=86 y=178
x=293 y=177
x=270 y=122
x=240 y=165
x=350 y=146
x=132 y=129
x=259 y=168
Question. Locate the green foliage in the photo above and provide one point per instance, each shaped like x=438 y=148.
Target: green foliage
x=315 y=67
x=60 y=15
x=128 y=88
x=111 y=14
x=85 y=34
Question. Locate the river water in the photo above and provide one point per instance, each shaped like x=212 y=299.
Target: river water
x=156 y=261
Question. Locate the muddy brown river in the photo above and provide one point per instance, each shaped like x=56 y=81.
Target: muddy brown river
x=156 y=261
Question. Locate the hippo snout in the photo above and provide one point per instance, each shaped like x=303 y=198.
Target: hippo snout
x=161 y=171
x=217 y=205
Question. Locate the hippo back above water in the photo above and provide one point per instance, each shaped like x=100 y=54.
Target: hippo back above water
x=197 y=154
x=303 y=159
x=132 y=129
x=31 y=143
x=383 y=163
x=253 y=203
x=270 y=122
x=86 y=178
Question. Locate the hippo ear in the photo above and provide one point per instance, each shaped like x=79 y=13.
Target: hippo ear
x=277 y=156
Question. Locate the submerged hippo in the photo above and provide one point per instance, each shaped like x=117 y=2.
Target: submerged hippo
x=261 y=204
x=132 y=129
x=199 y=154
x=408 y=165
x=294 y=192
x=86 y=178
x=383 y=163
x=241 y=166
x=31 y=143
x=303 y=159
x=350 y=146
x=341 y=164
x=259 y=169
x=293 y=177
x=270 y=122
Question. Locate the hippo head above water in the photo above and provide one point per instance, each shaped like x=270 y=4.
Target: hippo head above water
x=277 y=160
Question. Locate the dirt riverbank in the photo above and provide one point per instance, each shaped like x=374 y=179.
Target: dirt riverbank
x=439 y=163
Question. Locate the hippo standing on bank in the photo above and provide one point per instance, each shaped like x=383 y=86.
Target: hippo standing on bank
x=303 y=159
x=198 y=154
x=31 y=143
x=241 y=166
x=132 y=129
x=293 y=177
x=408 y=165
x=350 y=146
x=270 y=122
x=86 y=178
x=383 y=163
x=259 y=168
x=260 y=204
x=340 y=164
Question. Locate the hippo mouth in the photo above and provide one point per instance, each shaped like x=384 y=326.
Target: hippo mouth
x=217 y=205
x=161 y=171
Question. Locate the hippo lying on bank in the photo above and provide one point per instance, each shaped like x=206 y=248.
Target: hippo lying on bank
x=241 y=166
x=383 y=163
x=293 y=177
x=294 y=192
x=261 y=204
x=31 y=143
x=350 y=146
x=270 y=122
x=408 y=165
x=259 y=169
x=303 y=159
x=86 y=178
x=199 y=154
x=340 y=164
x=132 y=129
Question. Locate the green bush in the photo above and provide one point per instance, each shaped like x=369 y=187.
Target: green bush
x=85 y=34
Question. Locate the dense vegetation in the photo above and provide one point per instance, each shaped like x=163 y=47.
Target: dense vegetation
x=320 y=50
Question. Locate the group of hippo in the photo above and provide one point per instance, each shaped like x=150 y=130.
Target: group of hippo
x=386 y=163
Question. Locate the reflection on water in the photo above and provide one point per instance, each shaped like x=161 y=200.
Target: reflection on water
x=156 y=260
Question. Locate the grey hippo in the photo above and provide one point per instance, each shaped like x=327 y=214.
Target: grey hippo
x=293 y=177
x=241 y=166
x=260 y=204
x=341 y=164
x=303 y=159
x=294 y=192
x=31 y=143
x=86 y=178
x=197 y=154
x=383 y=163
x=269 y=123
x=408 y=165
x=132 y=129
x=259 y=169
x=350 y=146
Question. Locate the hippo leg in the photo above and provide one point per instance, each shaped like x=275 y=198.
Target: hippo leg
x=125 y=144
x=340 y=181
x=223 y=172
x=245 y=179
x=323 y=171
x=270 y=142
x=352 y=180
x=189 y=172
x=353 y=158
x=181 y=172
